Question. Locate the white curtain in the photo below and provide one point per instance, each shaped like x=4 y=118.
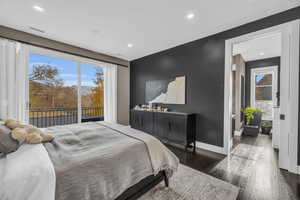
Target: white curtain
x=13 y=80
x=110 y=93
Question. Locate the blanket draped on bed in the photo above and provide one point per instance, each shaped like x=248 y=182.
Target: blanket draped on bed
x=161 y=157
x=100 y=160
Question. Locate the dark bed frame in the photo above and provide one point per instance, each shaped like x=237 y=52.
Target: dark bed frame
x=144 y=186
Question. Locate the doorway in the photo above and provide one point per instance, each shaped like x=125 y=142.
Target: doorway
x=289 y=89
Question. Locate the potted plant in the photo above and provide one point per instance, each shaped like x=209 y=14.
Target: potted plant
x=266 y=127
x=253 y=121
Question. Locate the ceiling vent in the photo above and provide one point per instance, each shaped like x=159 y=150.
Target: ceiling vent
x=37 y=29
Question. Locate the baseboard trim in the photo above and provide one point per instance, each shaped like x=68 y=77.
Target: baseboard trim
x=210 y=147
x=231 y=143
x=298 y=170
x=238 y=133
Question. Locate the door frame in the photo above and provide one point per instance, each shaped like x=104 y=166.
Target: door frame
x=264 y=70
x=288 y=154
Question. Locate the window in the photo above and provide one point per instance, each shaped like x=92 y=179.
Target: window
x=54 y=87
x=264 y=89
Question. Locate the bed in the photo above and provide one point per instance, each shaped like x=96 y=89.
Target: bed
x=88 y=161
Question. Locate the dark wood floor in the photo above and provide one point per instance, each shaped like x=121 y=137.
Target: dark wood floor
x=252 y=166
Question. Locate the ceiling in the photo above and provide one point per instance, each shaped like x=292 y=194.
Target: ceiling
x=108 y=26
x=259 y=48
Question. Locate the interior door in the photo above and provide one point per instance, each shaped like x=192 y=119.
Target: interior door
x=284 y=131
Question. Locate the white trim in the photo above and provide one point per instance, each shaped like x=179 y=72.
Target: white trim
x=276 y=128
x=210 y=147
x=290 y=49
x=231 y=143
x=294 y=96
x=239 y=132
x=227 y=97
x=116 y=93
x=27 y=86
x=79 y=108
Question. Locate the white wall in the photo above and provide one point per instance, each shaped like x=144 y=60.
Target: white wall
x=123 y=95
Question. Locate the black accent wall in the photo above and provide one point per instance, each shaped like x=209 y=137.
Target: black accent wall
x=275 y=61
x=202 y=62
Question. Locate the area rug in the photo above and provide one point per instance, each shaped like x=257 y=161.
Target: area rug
x=190 y=184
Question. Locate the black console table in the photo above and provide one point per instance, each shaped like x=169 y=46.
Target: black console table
x=175 y=127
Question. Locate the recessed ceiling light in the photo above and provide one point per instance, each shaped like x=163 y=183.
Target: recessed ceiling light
x=38 y=8
x=130 y=45
x=261 y=53
x=190 y=16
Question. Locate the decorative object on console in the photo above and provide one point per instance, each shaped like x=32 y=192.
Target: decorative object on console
x=137 y=107
x=151 y=108
x=166 y=91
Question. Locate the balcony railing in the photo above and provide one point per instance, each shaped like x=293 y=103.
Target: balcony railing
x=61 y=116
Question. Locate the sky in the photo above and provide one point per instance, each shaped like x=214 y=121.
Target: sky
x=67 y=69
x=259 y=77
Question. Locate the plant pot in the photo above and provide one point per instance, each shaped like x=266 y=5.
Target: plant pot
x=266 y=130
x=252 y=129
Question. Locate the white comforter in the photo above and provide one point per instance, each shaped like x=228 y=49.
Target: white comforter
x=27 y=174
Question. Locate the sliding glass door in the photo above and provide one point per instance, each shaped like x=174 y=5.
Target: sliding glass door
x=92 y=93
x=64 y=91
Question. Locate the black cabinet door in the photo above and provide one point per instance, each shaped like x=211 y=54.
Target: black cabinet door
x=161 y=125
x=146 y=120
x=142 y=121
x=178 y=130
x=135 y=120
